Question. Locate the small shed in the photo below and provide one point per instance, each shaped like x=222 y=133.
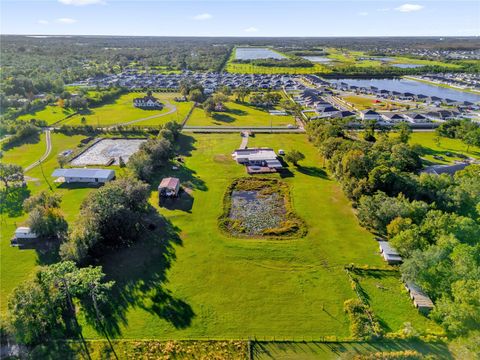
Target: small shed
x=24 y=232
x=169 y=187
x=389 y=253
x=421 y=300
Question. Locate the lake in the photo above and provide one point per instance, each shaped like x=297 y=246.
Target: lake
x=254 y=53
x=407 y=66
x=412 y=86
x=318 y=59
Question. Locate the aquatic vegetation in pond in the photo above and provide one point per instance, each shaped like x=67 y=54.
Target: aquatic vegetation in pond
x=260 y=207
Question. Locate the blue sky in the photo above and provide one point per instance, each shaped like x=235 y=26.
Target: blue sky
x=241 y=18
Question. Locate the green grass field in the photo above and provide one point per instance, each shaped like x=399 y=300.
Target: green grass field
x=122 y=111
x=51 y=114
x=238 y=115
x=389 y=301
x=18 y=265
x=26 y=153
x=222 y=287
x=446 y=145
x=199 y=283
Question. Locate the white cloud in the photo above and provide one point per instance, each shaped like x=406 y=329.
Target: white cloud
x=43 y=22
x=202 y=17
x=363 y=13
x=65 y=21
x=409 y=7
x=251 y=29
x=81 y=2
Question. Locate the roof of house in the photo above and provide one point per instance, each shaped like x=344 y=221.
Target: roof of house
x=83 y=173
x=370 y=112
x=169 y=183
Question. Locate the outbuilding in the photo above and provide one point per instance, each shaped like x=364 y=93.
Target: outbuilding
x=24 y=232
x=83 y=175
x=421 y=300
x=169 y=187
x=390 y=254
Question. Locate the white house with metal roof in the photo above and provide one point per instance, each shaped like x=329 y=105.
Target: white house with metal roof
x=83 y=175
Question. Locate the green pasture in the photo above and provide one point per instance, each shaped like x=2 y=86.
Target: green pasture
x=122 y=111
x=237 y=114
x=51 y=114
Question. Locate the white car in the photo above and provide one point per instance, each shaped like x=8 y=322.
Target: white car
x=281 y=152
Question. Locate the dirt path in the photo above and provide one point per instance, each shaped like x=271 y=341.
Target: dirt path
x=168 y=105
x=48 y=150
x=244 y=143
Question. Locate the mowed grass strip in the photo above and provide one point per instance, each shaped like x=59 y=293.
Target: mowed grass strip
x=237 y=114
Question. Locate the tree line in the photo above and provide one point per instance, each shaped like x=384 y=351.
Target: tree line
x=432 y=220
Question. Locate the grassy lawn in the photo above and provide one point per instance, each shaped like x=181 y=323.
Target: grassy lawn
x=389 y=301
x=199 y=283
x=18 y=265
x=51 y=114
x=363 y=103
x=122 y=111
x=239 y=115
x=332 y=351
x=255 y=69
x=26 y=154
x=454 y=146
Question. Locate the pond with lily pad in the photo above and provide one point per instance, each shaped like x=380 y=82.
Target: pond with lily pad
x=260 y=207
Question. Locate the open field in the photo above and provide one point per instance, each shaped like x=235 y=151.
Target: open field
x=238 y=115
x=200 y=283
x=364 y=102
x=254 y=69
x=454 y=146
x=389 y=301
x=27 y=153
x=122 y=111
x=342 y=57
x=17 y=265
x=51 y=114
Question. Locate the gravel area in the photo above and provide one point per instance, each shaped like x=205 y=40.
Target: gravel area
x=107 y=149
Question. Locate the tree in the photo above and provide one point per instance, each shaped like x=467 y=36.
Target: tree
x=294 y=156
x=472 y=138
x=109 y=218
x=45 y=218
x=39 y=309
x=11 y=174
x=195 y=95
x=241 y=93
x=404 y=132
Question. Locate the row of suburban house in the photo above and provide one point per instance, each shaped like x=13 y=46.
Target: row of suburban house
x=391 y=94
x=210 y=81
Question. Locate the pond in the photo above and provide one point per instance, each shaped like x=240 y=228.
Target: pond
x=254 y=53
x=407 y=66
x=415 y=87
x=260 y=207
x=317 y=59
x=256 y=212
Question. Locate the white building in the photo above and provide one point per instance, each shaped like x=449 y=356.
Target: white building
x=24 y=232
x=257 y=157
x=390 y=254
x=83 y=175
